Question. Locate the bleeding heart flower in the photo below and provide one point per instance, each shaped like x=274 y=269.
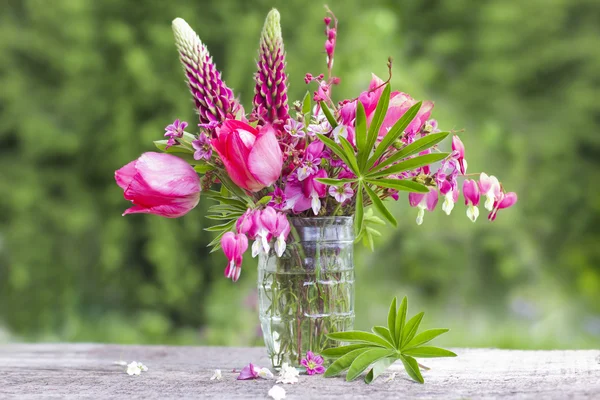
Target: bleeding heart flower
x=160 y=184
x=506 y=200
x=423 y=201
x=471 y=193
x=490 y=188
x=234 y=246
x=251 y=157
x=459 y=153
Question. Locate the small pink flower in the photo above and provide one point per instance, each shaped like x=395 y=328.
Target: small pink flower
x=506 y=200
x=160 y=184
x=341 y=193
x=234 y=247
x=174 y=131
x=313 y=363
x=471 y=193
x=459 y=152
x=423 y=201
x=244 y=223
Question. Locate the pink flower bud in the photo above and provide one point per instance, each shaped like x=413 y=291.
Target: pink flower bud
x=331 y=34
x=308 y=78
x=160 y=184
x=327 y=20
x=329 y=47
x=459 y=149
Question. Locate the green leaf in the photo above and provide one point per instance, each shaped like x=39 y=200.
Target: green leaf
x=363 y=361
x=392 y=320
x=411 y=327
x=179 y=151
x=349 y=151
x=378 y=204
x=412 y=368
x=425 y=337
x=413 y=148
x=344 y=362
x=400 y=184
x=377 y=120
x=400 y=318
x=384 y=333
x=306 y=104
x=378 y=368
x=428 y=352
x=222 y=227
x=359 y=212
x=264 y=200
x=359 y=336
x=360 y=132
x=328 y=115
x=203 y=168
x=335 y=182
x=408 y=165
x=394 y=133
x=335 y=352
x=339 y=151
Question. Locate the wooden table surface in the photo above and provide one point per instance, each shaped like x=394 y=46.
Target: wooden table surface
x=29 y=371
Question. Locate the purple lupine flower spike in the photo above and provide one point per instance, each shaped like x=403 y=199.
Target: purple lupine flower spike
x=214 y=100
x=270 y=93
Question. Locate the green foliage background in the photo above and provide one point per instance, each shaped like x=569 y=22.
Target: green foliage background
x=85 y=86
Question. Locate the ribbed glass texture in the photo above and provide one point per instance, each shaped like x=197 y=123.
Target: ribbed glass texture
x=309 y=291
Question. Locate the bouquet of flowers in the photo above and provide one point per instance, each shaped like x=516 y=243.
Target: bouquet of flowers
x=284 y=162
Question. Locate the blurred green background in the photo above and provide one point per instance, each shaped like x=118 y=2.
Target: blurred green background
x=86 y=86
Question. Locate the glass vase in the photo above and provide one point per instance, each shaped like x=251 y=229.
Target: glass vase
x=308 y=292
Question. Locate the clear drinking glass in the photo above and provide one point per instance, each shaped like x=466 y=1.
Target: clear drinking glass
x=309 y=291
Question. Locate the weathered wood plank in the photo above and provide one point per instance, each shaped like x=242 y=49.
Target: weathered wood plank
x=87 y=371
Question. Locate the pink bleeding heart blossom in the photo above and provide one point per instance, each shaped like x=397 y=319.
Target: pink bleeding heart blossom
x=471 y=193
x=458 y=150
x=505 y=200
x=313 y=363
x=423 y=201
x=252 y=158
x=160 y=184
x=302 y=195
x=490 y=188
x=277 y=225
x=234 y=246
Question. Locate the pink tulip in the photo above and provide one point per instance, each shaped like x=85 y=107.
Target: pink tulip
x=471 y=193
x=251 y=157
x=506 y=200
x=397 y=107
x=423 y=201
x=160 y=184
x=459 y=151
x=234 y=246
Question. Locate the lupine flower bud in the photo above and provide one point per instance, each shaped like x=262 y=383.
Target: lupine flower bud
x=270 y=93
x=214 y=100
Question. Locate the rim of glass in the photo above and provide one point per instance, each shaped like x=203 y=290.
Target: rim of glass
x=342 y=217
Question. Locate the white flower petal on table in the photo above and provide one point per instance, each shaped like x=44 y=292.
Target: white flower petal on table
x=277 y=392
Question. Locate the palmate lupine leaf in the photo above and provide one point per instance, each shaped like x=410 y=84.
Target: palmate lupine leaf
x=382 y=348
